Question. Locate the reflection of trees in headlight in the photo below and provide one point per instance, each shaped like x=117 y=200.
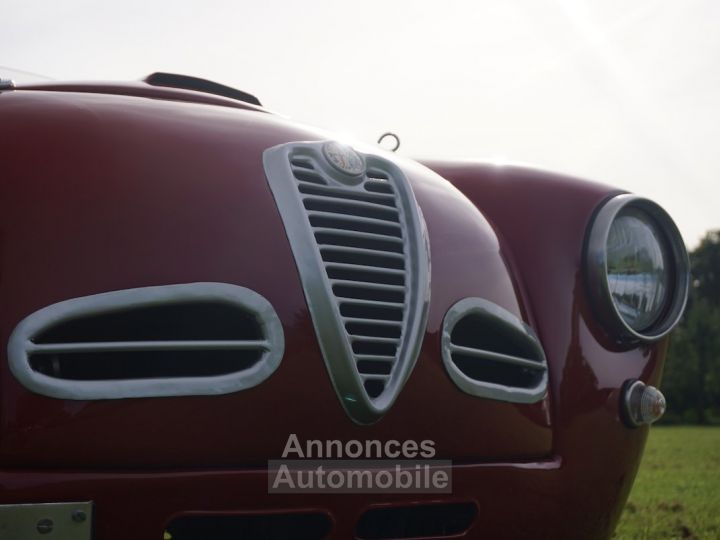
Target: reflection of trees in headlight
x=636 y=266
x=638 y=297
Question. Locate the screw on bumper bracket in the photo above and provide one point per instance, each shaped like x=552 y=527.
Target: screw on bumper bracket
x=59 y=521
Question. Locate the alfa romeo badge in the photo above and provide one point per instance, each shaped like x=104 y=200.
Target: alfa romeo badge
x=344 y=159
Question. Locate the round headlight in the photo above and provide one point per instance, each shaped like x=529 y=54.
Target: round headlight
x=636 y=268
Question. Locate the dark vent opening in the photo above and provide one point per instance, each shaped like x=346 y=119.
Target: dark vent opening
x=371 y=312
x=302 y=163
x=486 y=370
x=374 y=387
x=360 y=226
x=374 y=367
x=182 y=321
x=307 y=176
x=366 y=275
x=340 y=239
x=361 y=259
x=347 y=207
x=417 y=521
x=377 y=349
x=377 y=330
x=349 y=195
x=309 y=526
x=128 y=365
x=488 y=333
x=378 y=186
x=364 y=293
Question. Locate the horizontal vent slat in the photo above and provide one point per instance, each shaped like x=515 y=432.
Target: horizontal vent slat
x=377 y=259
x=99 y=346
x=367 y=293
x=379 y=270
x=374 y=339
x=386 y=358
x=394 y=240
x=355 y=223
x=367 y=285
x=354 y=208
x=378 y=186
x=375 y=174
x=371 y=312
x=360 y=320
x=357 y=243
x=306 y=175
x=375 y=377
x=498 y=357
x=302 y=163
x=374 y=367
x=365 y=274
x=353 y=203
x=370 y=303
x=342 y=193
x=374 y=252
x=373 y=328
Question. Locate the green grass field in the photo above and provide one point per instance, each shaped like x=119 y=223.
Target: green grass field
x=677 y=490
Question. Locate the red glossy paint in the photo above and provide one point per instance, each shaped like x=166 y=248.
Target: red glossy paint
x=109 y=187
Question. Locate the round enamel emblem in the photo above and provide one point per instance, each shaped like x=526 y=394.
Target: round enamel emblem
x=344 y=158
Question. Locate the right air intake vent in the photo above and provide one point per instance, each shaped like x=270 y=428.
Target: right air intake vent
x=489 y=352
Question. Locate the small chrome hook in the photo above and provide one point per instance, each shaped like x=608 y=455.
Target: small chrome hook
x=390 y=135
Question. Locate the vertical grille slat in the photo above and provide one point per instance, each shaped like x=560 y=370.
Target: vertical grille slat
x=371 y=268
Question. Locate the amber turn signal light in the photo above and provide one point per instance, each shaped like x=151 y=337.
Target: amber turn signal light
x=641 y=404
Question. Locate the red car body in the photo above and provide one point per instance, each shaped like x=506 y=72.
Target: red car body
x=108 y=187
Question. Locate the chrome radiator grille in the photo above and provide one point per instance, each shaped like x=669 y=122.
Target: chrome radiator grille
x=361 y=251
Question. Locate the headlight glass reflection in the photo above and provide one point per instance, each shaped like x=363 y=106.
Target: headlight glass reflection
x=637 y=268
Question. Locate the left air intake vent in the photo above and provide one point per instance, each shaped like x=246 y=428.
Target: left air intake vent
x=489 y=352
x=190 y=339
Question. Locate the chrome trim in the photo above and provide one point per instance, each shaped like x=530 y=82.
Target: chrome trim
x=324 y=306
x=595 y=263
x=7 y=84
x=59 y=521
x=21 y=345
x=485 y=389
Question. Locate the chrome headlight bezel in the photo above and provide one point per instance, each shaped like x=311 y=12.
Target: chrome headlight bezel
x=596 y=269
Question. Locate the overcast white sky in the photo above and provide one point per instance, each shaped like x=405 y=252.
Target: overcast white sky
x=622 y=91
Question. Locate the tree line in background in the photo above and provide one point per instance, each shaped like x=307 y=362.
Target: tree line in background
x=691 y=382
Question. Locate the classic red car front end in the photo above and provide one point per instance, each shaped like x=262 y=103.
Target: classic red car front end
x=187 y=280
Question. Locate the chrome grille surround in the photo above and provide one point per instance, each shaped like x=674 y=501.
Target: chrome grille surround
x=360 y=244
